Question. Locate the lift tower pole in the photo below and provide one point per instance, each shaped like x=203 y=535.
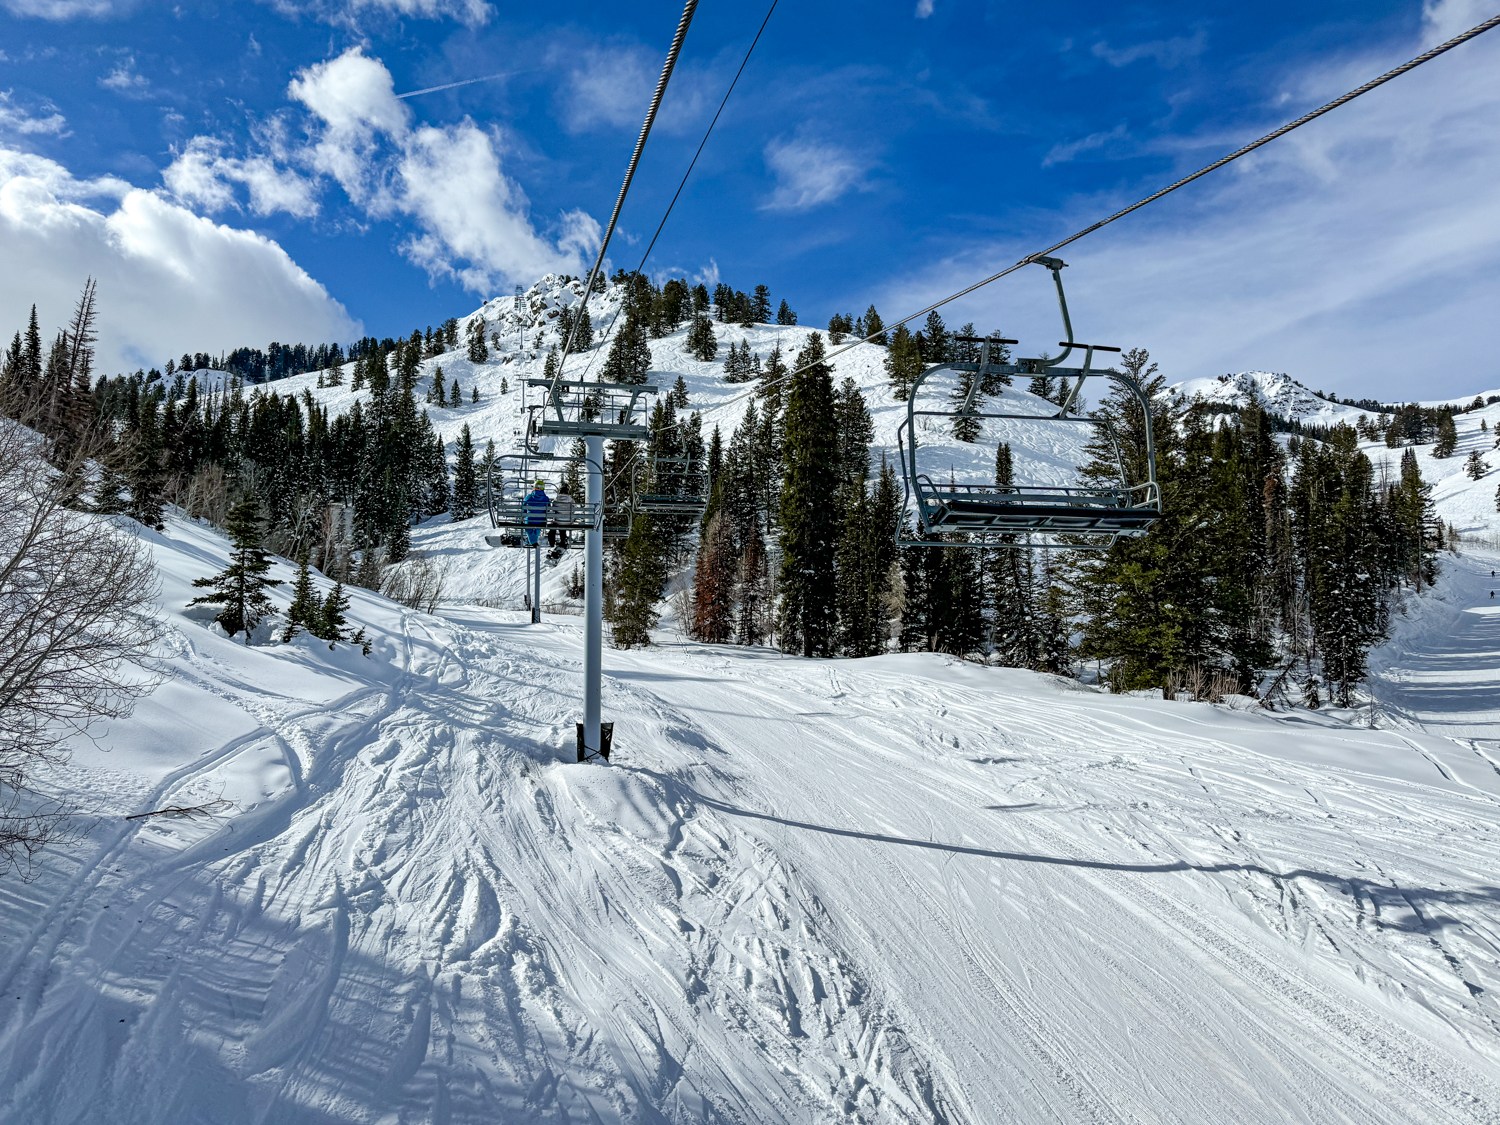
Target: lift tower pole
x=593 y=604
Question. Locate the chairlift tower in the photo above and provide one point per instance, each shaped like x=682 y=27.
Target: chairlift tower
x=593 y=412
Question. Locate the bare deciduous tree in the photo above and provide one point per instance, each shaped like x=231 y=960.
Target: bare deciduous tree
x=76 y=626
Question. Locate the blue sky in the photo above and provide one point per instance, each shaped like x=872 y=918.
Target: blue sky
x=240 y=172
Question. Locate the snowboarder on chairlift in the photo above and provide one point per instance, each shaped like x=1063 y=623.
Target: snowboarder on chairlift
x=536 y=506
x=562 y=512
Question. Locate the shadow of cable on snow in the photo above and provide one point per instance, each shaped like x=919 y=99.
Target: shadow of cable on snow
x=1414 y=899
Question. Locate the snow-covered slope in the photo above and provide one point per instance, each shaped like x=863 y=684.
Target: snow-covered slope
x=1275 y=392
x=893 y=890
x=1046 y=452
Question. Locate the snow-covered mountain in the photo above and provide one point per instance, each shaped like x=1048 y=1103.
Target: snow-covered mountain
x=1274 y=392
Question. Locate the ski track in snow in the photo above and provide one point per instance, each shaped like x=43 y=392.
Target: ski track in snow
x=893 y=890
x=901 y=889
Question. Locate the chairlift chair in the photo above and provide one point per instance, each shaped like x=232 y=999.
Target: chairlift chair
x=572 y=408
x=517 y=474
x=676 y=487
x=1072 y=516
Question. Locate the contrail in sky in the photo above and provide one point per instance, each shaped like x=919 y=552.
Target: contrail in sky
x=464 y=82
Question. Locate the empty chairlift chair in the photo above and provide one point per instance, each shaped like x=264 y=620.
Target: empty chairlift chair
x=1074 y=513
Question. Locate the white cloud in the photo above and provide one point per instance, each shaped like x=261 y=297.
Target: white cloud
x=472 y=13
x=474 y=224
x=810 y=173
x=924 y=9
x=1358 y=254
x=60 y=9
x=473 y=221
x=1443 y=19
x=169 y=280
x=1070 y=150
x=14 y=119
x=125 y=79
x=204 y=175
x=1164 y=52
x=606 y=87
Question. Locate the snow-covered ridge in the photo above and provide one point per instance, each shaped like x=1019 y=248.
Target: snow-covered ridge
x=1275 y=392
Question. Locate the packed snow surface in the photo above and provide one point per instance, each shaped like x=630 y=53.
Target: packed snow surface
x=902 y=889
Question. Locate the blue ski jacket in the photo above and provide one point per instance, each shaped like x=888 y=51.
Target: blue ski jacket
x=535 y=506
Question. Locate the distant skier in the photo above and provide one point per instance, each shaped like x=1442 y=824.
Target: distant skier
x=536 y=506
x=562 y=512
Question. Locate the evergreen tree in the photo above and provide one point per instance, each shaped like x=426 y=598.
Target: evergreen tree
x=306 y=610
x=466 y=497
x=874 y=327
x=479 y=349
x=760 y=305
x=680 y=393
x=808 y=524
x=637 y=586
x=1475 y=467
x=334 y=619
x=939 y=342
x=903 y=363
x=701 y=342
x=714 y=582
x=629 y=359
x=785 y=315
x=240 y=588
x=1447 y=437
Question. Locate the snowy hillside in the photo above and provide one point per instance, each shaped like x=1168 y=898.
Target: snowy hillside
x=1276 y=393
x=1047 y=453
x=902 y=889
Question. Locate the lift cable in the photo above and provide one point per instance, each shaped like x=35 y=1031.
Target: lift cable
x=1411 y=64
x=691 y=165
x=635 y=158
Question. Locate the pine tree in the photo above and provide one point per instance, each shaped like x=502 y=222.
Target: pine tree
x=701 y=342
x=1475 y=467
x=334 y=620
x=680 y=393
x=466 y=498
x=240 y=588
x=629 y=359
x=808 y=524
x=874 y=327
x=306 y=610
x=785 y=315
x=713 y=583
x=760 y=305
x=939 y=343
x=479 y=349
x=637 y=586
x=1447 y=437
x=903 y=363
